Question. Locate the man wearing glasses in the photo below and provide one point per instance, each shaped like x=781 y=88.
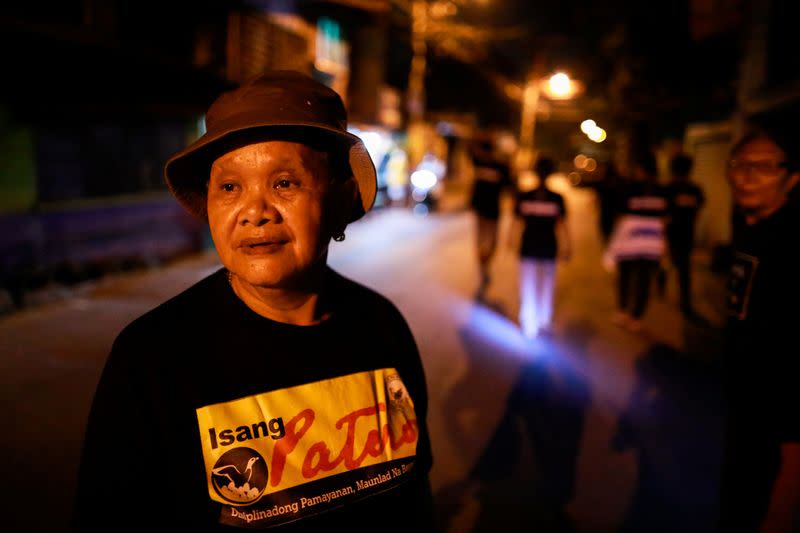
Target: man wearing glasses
x=761 y=468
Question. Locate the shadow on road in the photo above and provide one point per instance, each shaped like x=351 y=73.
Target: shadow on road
x=672 y=423
x=494 y=351
x=525 y=475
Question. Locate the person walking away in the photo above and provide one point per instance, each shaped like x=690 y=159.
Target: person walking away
x=545 y=237
x=761 y=470
x=685 y=201
x=607 y=193
x=638 y=244
x=492 y=177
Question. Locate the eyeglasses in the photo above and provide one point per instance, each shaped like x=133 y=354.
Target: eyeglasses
x=764 y=169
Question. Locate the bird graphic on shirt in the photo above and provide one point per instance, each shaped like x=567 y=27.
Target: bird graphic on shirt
x=238 y=479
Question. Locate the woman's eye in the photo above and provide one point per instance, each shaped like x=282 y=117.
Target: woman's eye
x=228 y=187
x=283 y=184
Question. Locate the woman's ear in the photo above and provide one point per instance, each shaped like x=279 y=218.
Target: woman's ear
x=343 y=201
x=350 y=191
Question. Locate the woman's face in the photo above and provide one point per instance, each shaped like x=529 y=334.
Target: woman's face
x=758 y=176
x=267 y=212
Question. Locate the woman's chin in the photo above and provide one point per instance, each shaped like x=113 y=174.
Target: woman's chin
x=272 y=279
x=269 y=274
x=265 y=281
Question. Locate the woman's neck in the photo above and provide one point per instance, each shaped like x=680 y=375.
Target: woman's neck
x=300 y=306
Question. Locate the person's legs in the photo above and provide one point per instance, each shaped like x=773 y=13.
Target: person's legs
x=487 y=239
x=624 y=280
x=527 y=298
x=644 y=270
x=547 y=276
x=683 y=266
x=661 y=280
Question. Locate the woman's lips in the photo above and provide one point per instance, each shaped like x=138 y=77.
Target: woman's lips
x=260 y=246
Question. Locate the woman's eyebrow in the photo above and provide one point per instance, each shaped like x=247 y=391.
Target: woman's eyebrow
x=302 y=167
x=221 y=166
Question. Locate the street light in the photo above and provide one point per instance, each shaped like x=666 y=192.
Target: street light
x=558 y=86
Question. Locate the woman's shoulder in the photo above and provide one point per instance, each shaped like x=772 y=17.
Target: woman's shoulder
x=358 y=296
x=179 y=312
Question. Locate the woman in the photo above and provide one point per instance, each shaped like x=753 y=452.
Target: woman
x=761 y=471
x=275 y=391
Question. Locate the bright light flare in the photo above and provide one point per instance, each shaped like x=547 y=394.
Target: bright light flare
x=593 y=131
x=375 y=142
x=560 y=85
x=423 y=179
x=526 y=181
x=588 y=125
x=421 y=210
x=598 y=135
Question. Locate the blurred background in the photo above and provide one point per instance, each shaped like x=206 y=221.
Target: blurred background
x=99 y=94
x=590 y=429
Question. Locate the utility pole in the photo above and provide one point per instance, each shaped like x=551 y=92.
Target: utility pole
x=419 y=47
x=530 y=104
x=415 y=146
x=432 y=26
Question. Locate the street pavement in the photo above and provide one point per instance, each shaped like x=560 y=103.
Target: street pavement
x=589 y=428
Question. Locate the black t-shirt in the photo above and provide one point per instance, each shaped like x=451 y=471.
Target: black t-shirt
x=763 y=362
x=644 y=199
x=540 y=211
x=685 y=200
x=208 y=412
x=491 y=177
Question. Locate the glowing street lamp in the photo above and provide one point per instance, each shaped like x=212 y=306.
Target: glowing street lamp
x=558 y=86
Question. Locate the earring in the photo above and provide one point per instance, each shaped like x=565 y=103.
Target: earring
x=338 y=237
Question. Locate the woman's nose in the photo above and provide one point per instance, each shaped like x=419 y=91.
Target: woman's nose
x=258 y=209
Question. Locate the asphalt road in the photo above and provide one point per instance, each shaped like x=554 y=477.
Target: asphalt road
x=593 y=428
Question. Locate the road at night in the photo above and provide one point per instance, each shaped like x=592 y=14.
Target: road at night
x=535 y=423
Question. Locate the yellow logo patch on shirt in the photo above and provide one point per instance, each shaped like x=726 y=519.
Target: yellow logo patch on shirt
x=282 y=455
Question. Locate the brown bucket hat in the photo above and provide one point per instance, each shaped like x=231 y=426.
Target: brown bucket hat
x=270 y=103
